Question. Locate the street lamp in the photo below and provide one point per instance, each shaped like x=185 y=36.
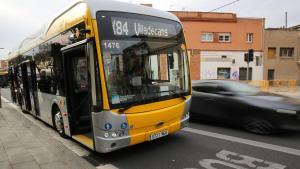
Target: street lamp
x=0 y=92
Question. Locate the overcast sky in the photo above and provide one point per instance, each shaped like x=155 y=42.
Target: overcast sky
x=20 y=18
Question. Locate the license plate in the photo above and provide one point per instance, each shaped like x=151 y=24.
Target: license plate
x=158 y=135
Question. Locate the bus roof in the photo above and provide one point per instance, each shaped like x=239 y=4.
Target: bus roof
x=48 y=31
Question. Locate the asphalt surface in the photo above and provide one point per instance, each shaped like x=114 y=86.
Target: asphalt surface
x=195 y=150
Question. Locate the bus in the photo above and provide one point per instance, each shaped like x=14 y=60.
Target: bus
x=3 y=78
x=107 y=74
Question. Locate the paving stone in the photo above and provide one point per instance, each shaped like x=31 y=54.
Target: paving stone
x=3 y=123
x=15 y=150
x=8 y=136
x=32 y=144
x=56 y=165
x=18 y=154
x=20 y=157
x=1 y=147
x=12 y=143
x=3 y=157
x=26 y=165
x=78 y=163
x=5 y=165
x=42 y=155
x=4 y=130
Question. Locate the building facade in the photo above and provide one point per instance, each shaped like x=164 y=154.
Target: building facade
x=282 y=54
x=217 y=43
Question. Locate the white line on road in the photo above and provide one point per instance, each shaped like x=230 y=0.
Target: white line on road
x=245 y=141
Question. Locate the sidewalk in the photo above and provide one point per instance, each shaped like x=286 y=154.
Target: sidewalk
x=24 y=145
x=295 y=94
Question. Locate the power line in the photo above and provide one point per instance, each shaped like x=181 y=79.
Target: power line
x=224 y=5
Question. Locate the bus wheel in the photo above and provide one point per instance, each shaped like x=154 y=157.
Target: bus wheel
x=59 y=123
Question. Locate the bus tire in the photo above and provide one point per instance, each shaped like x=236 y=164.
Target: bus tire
x=58 y=122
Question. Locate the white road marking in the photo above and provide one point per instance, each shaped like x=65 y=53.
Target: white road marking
x=238 y=161
x=286 y=150
x=71 y=145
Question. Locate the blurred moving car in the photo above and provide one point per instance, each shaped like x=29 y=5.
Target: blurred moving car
x=239 y=103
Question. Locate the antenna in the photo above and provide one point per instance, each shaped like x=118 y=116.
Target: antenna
x=286 y=19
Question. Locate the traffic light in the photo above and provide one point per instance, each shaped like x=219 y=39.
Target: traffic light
x=250 y=54
x=246 y=57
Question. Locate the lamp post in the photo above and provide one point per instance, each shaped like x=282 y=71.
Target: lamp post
x=0 y=93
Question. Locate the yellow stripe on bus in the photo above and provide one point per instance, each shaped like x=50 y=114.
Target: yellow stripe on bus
x=101 y=67
x=84 y=140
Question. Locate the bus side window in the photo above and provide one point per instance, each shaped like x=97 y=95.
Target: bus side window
x=49 y=68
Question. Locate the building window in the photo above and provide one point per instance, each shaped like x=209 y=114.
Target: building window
x=249 y=37
x=223 y=73
x=224 y=37
x=286 y=52
x=243 y=73
x=258 y=60
x=271 y=74
x=224 y=57
x=271 y=53
x=207 y=37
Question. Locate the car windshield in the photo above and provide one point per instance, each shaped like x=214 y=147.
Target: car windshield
x=241 y=88
x=143 y=60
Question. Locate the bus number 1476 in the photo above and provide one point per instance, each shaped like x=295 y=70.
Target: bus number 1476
x=111 y=45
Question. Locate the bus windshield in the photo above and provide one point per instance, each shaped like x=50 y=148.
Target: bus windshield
x=144 y=58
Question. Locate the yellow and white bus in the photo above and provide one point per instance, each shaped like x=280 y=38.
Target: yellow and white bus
x=107 y=74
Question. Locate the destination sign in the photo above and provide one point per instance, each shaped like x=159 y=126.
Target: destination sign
x=133 y=27
x=119 y=25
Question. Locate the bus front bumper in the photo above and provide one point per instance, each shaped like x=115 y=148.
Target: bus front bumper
x=104 y=145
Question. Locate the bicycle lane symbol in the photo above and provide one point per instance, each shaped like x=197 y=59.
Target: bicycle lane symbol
x=234 y=160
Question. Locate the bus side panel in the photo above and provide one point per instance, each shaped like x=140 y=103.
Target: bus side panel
x=45 y=101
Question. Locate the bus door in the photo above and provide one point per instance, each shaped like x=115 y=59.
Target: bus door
x=77 y=88
x=13 y=86
x=19 y=85
x=25 y=88
x=32 y=87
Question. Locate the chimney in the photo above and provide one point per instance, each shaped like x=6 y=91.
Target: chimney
x=286 y=19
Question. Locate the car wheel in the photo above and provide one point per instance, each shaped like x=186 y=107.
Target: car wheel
x=59 y=123
x=259 y=126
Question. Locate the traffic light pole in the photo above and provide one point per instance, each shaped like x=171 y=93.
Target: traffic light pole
x=248 y=58
x=247 y=75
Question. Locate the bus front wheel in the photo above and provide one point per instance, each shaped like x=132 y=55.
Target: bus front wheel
x=59 y=123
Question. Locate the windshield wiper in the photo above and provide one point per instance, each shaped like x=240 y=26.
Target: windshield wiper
x=177 y=94
x=122 y=110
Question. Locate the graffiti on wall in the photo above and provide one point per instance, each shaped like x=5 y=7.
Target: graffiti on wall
x=209 y=74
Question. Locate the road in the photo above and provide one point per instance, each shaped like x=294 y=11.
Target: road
x=206 y=145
